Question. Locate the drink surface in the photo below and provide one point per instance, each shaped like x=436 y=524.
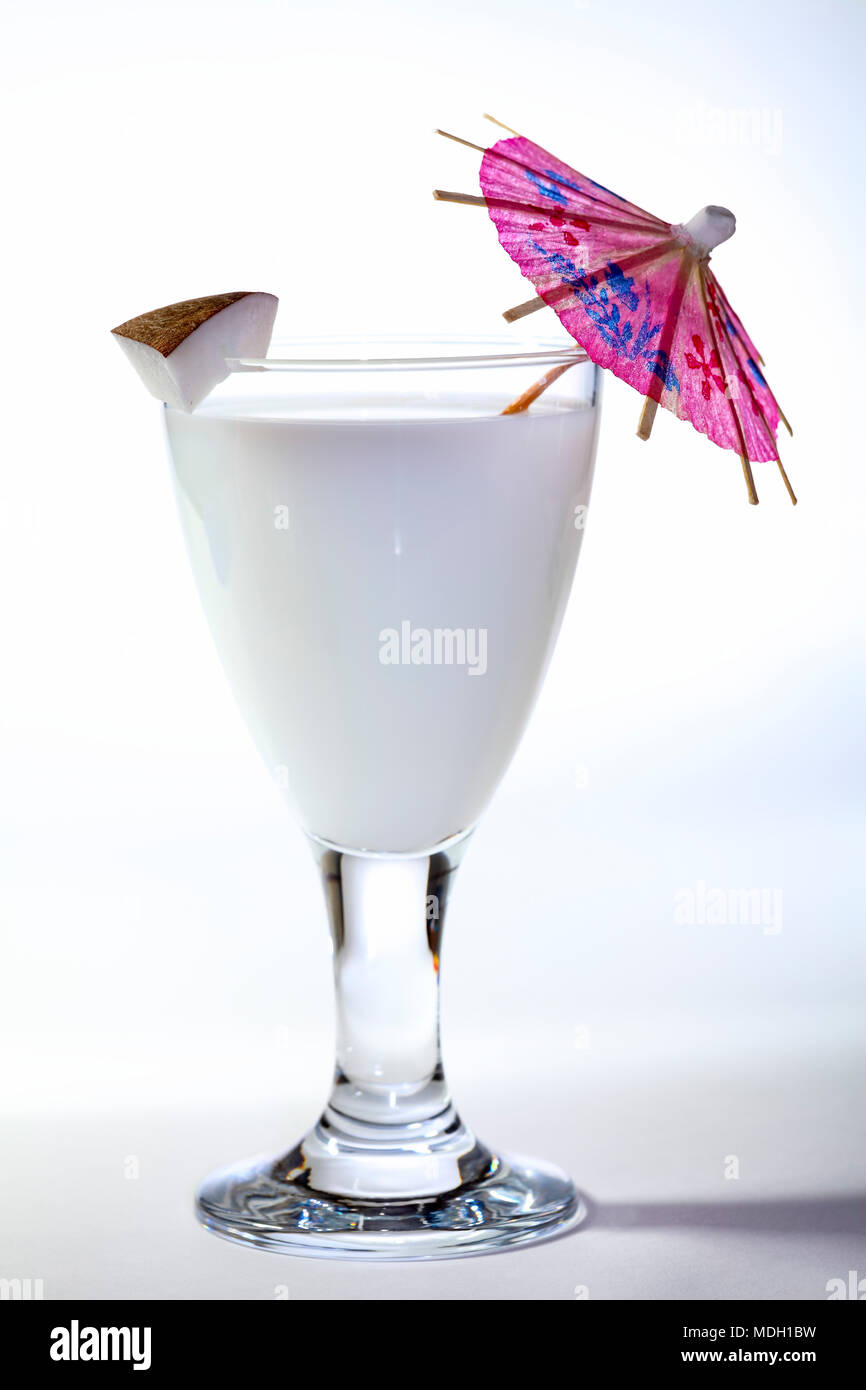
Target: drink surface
x=385 y=581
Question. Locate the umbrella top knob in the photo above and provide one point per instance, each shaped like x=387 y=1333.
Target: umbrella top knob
x=706 y=230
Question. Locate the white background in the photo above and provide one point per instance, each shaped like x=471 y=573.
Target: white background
x=165 y=992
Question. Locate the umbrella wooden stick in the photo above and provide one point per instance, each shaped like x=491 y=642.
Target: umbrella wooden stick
x=734 y=348
x=634 y=261
x=744 y=450
x=750 y=479
x=638 y=217
x=744 y=457
x=524 y=401
x=445 y=195
x=669 y=328
x=458 y=140
x=503 y=126
x=531 y=306
x=442 y=195
x=791 y=492
x=736 y=342
x=647 y=418
x=782 y=416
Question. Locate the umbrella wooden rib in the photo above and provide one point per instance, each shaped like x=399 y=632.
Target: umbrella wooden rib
x=444 y=195
x=738 y=424
x=732 y=314
x=646 y=218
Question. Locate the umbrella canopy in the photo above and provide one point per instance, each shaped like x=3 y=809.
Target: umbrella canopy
x=637 y=293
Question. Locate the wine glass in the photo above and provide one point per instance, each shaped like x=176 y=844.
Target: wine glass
x=384 y=559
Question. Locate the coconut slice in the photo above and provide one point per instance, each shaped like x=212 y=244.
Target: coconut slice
x=180 y=351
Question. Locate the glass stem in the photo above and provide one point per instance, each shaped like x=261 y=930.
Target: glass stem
x=389 y=1098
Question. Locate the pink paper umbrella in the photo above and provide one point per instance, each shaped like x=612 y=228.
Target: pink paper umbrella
x=635 y=292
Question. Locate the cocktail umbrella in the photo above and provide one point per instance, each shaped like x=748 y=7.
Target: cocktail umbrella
x=635 y=292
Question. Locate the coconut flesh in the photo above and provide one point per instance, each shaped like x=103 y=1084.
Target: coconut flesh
x=180 y=351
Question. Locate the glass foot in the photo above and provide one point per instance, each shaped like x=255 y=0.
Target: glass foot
x=510 y=1202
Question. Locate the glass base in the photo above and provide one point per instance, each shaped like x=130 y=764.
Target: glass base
x=511 y=1202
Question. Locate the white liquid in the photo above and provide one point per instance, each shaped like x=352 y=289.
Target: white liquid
x=436 y=516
